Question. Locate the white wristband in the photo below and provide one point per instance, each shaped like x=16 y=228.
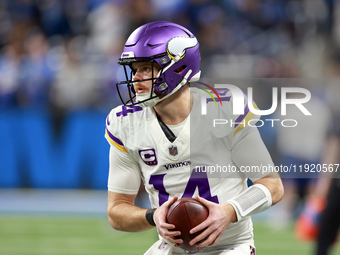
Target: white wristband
x=254 y=200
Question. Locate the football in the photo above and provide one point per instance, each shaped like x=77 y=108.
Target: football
x=186 y=213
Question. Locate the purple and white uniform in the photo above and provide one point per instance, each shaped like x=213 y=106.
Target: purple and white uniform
x=141 y=151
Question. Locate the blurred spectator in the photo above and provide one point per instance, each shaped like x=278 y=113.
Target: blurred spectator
x=36 y=76
x=302 y=145
x=5 y=24
x=106 y=24
x=9 y=77
x=111 y=74
x=76 y=82
x=23 y=12
x=53 y=18
x=76 y=12
x=322 y=223
x=138 y=12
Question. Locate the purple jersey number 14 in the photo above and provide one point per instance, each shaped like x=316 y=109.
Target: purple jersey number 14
x=197 y=180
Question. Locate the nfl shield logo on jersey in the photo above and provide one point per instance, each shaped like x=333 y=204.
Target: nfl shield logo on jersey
x=162 y=246
x=173 y=150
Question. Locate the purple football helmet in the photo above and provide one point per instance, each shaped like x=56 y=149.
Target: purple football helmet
x=173 y=48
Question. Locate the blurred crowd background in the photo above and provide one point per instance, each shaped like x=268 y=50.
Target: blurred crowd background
x=58 y=69
x=62 y=55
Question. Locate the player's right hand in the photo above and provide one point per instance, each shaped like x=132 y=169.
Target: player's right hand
x=165 y=229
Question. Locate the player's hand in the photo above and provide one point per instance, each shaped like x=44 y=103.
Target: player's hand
x=220 y=216
x=165 y=229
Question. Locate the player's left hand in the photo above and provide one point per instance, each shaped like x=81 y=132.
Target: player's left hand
x=220 y=216
x=166 y=230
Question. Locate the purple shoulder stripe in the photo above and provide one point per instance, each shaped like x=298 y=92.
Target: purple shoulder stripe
x=240 y=118
x=115 y=139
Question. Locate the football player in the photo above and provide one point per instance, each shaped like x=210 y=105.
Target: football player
x=156 y=136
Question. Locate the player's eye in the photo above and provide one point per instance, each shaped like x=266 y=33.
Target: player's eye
x=147 y=70
x=143 y=70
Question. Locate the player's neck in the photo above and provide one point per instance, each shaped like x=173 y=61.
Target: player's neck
x=176 y=108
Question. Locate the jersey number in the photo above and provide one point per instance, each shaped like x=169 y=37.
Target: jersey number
x=129 y=109
x=197 y=180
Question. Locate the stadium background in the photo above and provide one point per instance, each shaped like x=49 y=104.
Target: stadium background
x=58 y=69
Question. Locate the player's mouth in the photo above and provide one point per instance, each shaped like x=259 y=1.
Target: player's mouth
x=141 y=90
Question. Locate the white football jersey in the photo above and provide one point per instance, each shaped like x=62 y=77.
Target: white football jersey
x=141 y=151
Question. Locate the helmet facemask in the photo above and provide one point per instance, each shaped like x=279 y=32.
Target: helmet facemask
x=145 y=99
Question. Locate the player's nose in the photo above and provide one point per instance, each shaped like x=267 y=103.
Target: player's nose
x=137 y=75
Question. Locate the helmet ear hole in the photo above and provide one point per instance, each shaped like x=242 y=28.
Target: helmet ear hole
x=180 y=69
